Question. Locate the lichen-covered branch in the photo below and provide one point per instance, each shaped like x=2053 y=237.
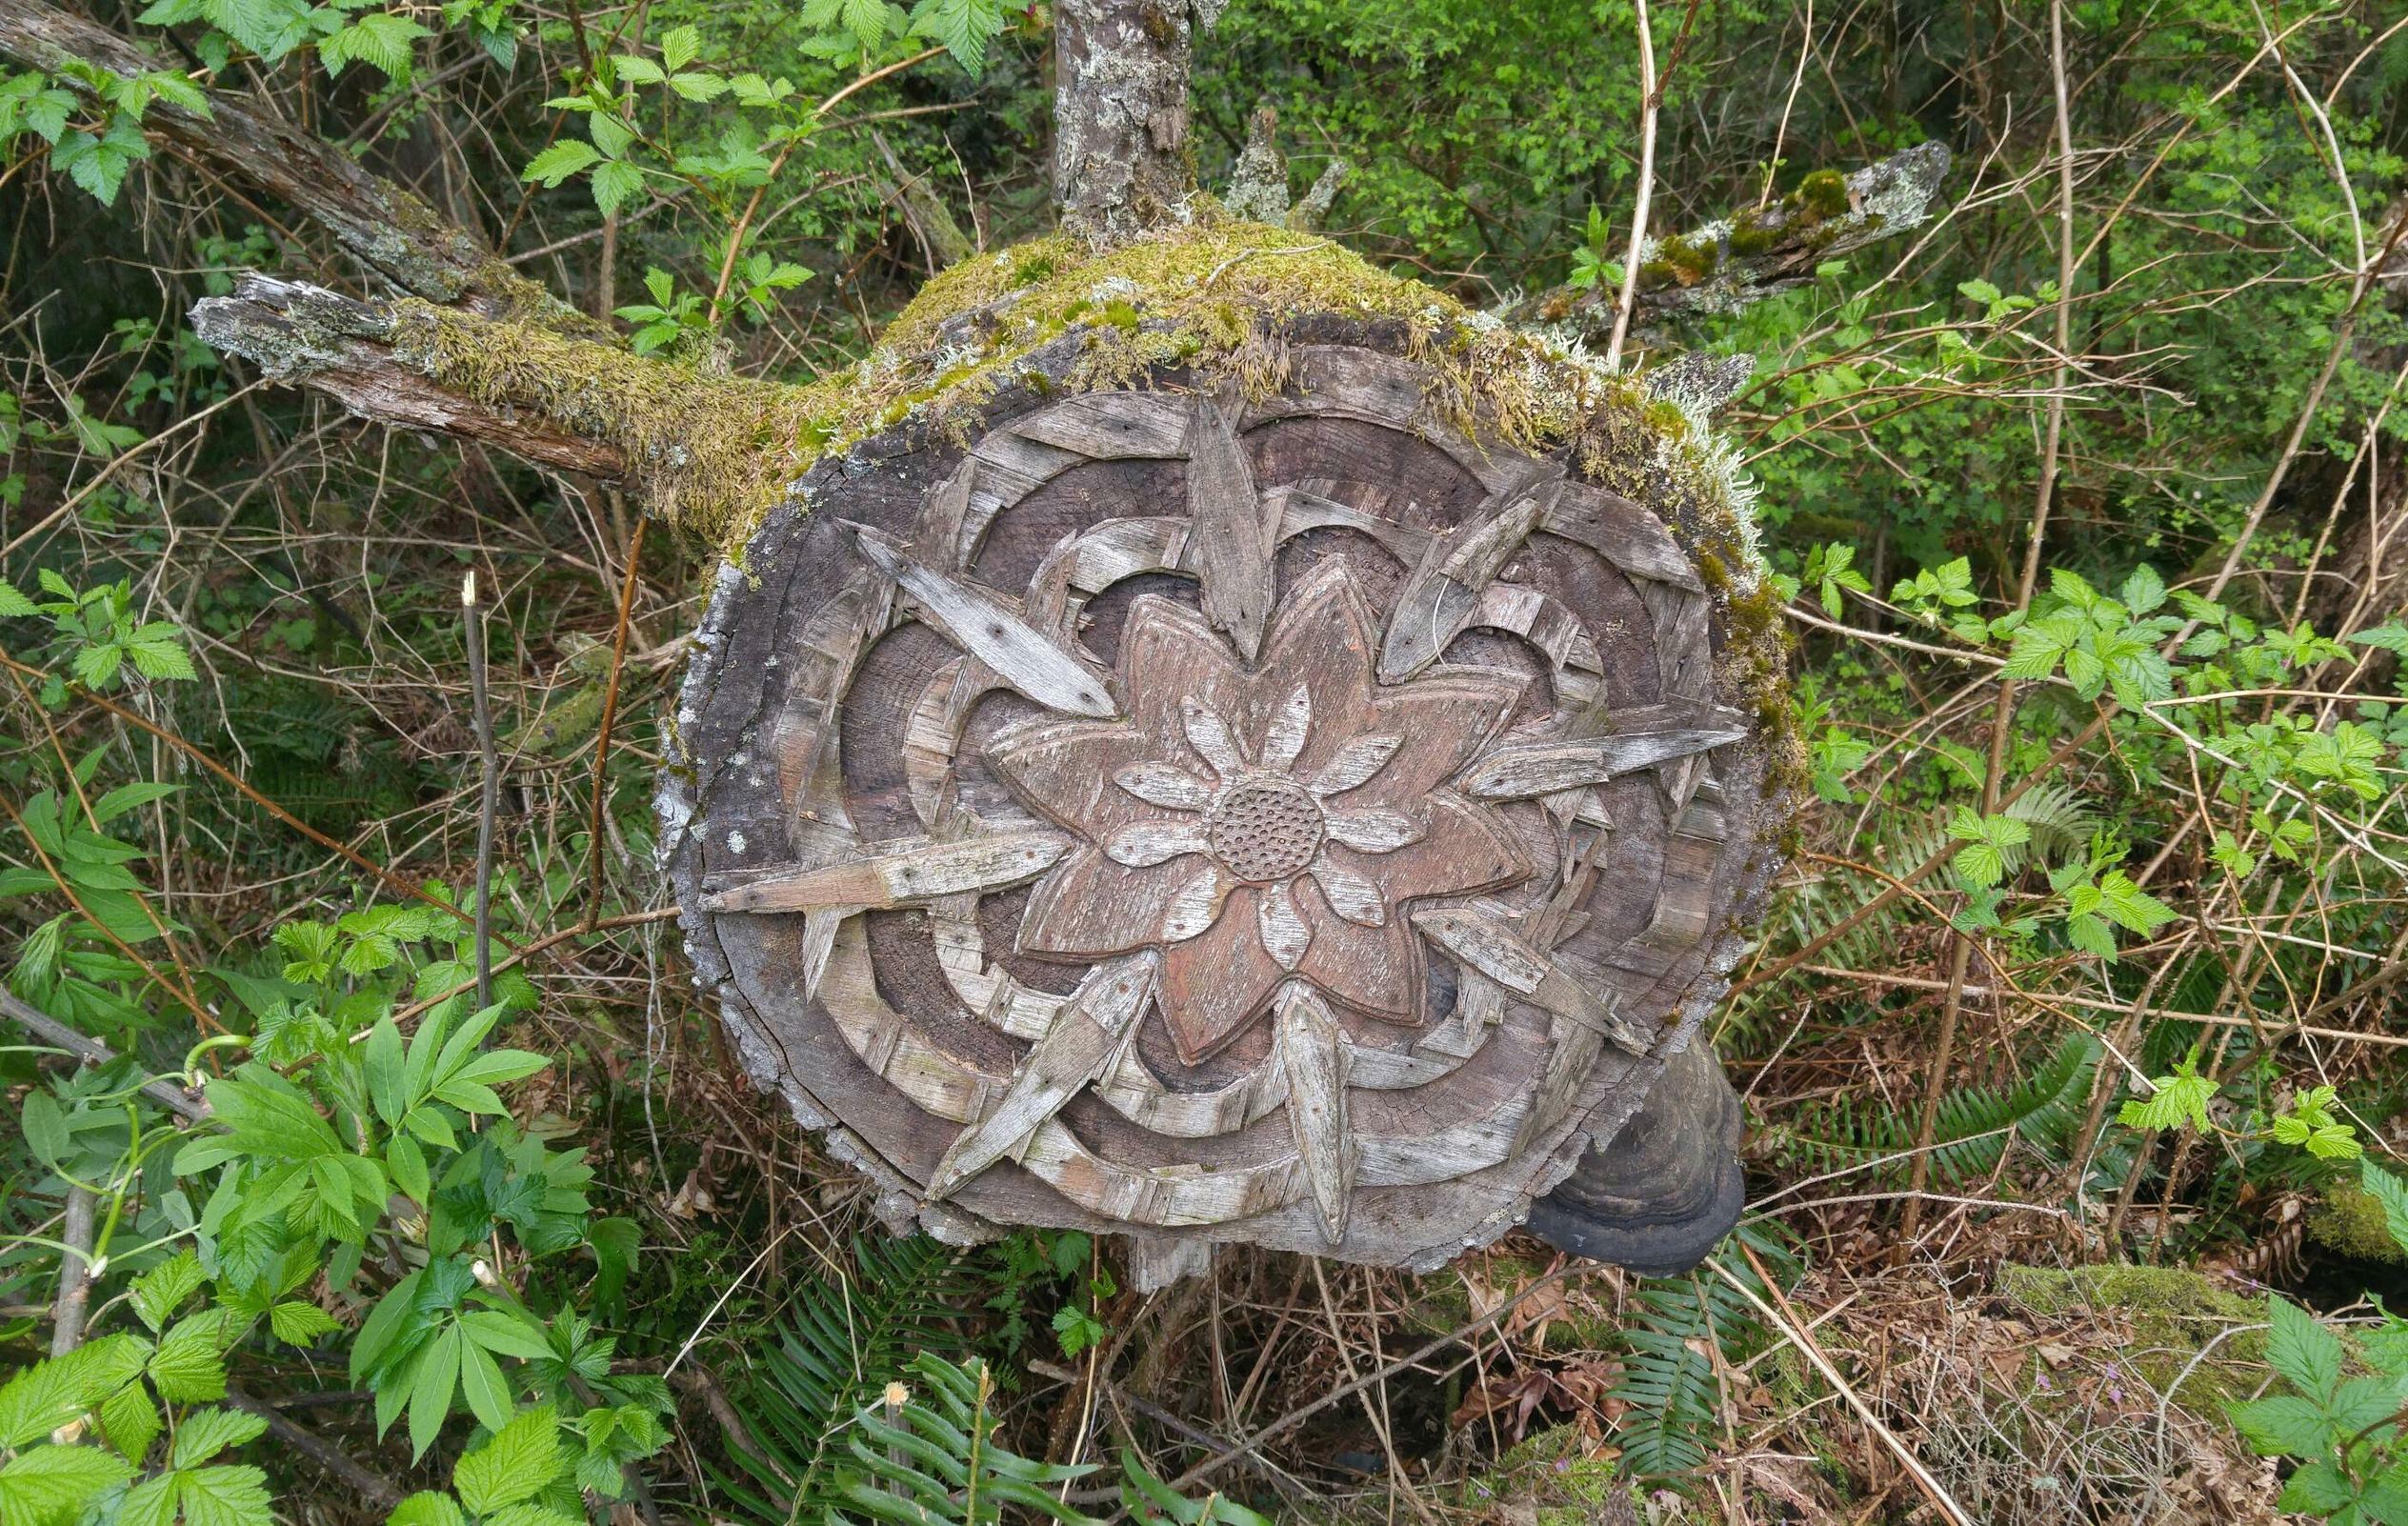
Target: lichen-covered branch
x=1726 y=265
x=696 y=448
x=384 y=227
x=354 y=352
x=1120 y=114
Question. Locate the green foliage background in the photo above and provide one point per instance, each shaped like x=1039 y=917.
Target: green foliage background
x=512 y=1227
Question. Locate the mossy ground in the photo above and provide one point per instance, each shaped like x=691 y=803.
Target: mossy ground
x=2173 y=1314
x=1549 y=1479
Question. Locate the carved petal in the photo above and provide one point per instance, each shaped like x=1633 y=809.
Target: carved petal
x=1285 y=736
x=1378 y=830
x=1150 y=842
x=1461 y=848
x=1313 y=1053
x=1067 y=772
x=1350 y=895
x=1195 y=905
x=1089 y=907
x=1209 y=735
x=1444 y=719
x=1369 y=968
x=1355 y=763
x=1166 y=784
x=1215 y=985
x=1285 y=937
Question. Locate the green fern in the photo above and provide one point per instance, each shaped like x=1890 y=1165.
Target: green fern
x=2043 y=1109
x=1668 y=1369
x=846 y=1337
x=933 y=1458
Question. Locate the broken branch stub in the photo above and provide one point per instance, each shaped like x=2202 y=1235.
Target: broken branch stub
x=1290 y=818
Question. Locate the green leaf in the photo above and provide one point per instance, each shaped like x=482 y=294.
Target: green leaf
x=296 y=1323
x=204 y=1433
x=2389 y=637
x=49 y=1394
x=2301 y=1348
x=614 y=183
x=506 y=1335
x=430 y=1390
x=188 y=1366
x=50 y=1486
x=226 y=1497
x=14 y=605
x=563 y=159
x=520 y=1460
x=131 y=1421
x=426 y=1508
x=158 y=1293
x=2180 y=1098
x=485 y=1388
x=2285 y=1425
x=679 y=47
x=2318 y=1488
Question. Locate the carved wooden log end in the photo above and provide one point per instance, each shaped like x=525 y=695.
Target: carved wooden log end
x=1309 y=816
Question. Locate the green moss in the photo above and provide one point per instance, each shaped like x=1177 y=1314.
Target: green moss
x=1752 y=239
x=1823 y=194
x=2172 y=1312
x=713 y=453
x=1549 y=1479
x=709 y=453
x=2350 y=1220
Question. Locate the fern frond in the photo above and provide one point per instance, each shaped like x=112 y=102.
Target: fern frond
x=1668 y=1370
x=846 y=1337
x=2043 y=1109
x=934 y=1458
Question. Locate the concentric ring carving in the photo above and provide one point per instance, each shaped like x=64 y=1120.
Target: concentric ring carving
x=1291 y=822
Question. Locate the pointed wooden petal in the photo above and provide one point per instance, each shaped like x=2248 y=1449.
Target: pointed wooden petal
x=1229 y=547
x=980 y=625
x=1314 y=1055
x=1444 y=591
x=1088 y=1031
x=1641 y=738
x=1488 y=946
x=919 y=872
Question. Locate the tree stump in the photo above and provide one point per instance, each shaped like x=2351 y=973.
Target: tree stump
x=1257 y=803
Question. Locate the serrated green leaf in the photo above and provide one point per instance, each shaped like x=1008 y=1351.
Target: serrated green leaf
x=559 y=162
x=521 y=1460
x=204 y=1433
x=51 y=1486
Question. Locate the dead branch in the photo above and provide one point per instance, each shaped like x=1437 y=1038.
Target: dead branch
x=1729 y=264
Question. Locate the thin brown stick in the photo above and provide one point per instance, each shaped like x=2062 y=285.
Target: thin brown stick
x=193 y=1109
x=609 y=717
x=488 y=785
x=372 y=1487
x=74 y=1272
x=1648 y=102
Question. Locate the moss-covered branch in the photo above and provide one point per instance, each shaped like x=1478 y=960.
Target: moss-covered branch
x=698 y=449
x=1726 y=265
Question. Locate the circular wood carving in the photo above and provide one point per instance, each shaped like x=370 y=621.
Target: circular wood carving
x=1286 y=821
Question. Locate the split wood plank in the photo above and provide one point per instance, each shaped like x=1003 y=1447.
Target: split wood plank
x=904 y=877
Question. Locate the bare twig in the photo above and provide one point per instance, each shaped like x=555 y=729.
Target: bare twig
x=490 y=786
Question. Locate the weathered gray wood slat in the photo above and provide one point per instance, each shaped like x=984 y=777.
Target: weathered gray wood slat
x=1088 y=1032
x=1112 y=426
x=1496 y=953
x=982 y=626
x=1315 y=1056
x=1642 y=738
x=1228 y=547
x=919 y=872
x=1443 y=595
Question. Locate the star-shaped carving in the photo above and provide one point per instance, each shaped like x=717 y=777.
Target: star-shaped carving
x=1268 y=825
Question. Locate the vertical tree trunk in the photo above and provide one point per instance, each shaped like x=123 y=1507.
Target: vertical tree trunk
x=1120 y=114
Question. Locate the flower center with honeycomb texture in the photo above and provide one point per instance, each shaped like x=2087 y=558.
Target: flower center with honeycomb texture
x=1265 y=829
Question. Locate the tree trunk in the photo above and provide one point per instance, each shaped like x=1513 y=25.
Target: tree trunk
x=1120 y=114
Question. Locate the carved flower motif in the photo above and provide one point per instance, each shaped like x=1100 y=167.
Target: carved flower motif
x=1263 y=826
